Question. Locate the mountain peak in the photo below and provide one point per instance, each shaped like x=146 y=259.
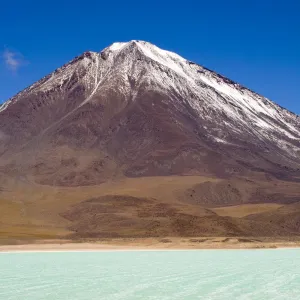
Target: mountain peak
x=146 y=48
x=116 y=46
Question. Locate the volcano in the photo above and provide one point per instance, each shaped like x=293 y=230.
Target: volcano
x=113 y=127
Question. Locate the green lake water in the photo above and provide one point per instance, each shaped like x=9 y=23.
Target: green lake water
x=155 y=275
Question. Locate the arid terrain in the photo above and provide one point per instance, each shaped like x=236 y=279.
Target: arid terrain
x=150 y=207
x=138 y=142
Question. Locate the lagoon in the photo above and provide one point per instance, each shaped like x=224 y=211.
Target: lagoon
x=156 y=275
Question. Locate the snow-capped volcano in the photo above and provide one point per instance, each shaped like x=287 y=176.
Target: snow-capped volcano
x=137 y=110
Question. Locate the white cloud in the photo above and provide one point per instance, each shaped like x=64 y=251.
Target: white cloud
x=13 y=59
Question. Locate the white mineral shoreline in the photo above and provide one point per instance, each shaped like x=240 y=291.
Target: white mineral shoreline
x=144 y=245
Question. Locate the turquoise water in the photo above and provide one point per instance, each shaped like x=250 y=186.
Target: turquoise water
x=159 y=275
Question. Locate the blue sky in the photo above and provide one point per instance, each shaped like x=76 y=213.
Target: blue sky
x=256 y=43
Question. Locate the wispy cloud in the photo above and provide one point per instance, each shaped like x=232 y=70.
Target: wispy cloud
x=13 y=59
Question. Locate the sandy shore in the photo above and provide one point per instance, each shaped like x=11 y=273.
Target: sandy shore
x=147 y=244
